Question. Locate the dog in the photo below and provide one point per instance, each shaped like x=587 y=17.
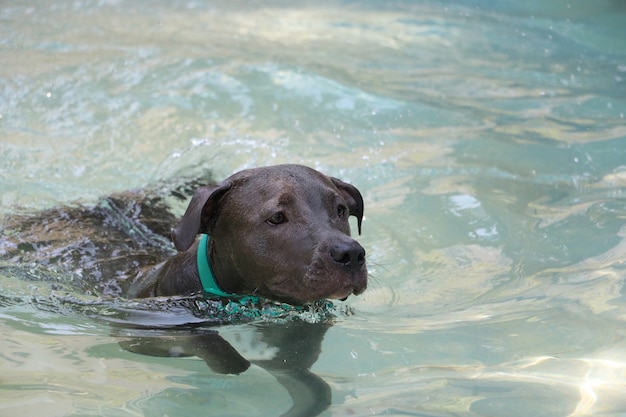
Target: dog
x=278 y=232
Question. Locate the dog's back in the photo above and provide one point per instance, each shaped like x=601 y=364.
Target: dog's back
x=99 y=248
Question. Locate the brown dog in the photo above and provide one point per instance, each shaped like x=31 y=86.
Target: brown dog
x=280 y=232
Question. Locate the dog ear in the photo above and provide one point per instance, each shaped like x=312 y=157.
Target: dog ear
x=199 y=216
x=353 y=197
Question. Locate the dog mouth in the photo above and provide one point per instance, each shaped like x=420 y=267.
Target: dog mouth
x=347 y=291
x=318 y=282
x=341 y=294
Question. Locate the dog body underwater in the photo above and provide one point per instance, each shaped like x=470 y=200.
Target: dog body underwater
x=279 y=232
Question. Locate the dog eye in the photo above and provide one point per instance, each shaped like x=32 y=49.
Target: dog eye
x=341 y=211
x=277 y=218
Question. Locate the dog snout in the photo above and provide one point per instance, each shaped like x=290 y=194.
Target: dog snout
x=349 y=254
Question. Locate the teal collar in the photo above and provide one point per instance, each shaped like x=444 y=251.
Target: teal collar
x=210 y=288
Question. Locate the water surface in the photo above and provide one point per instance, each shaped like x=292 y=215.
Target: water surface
x=489 y=142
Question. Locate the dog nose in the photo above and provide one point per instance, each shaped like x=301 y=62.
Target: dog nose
x=350 y=254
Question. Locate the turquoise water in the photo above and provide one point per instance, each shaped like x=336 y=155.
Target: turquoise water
x=489 y=142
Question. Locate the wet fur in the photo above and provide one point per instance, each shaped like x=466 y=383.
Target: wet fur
x=100 y=248
x=103 y=248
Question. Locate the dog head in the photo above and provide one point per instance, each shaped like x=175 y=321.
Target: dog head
x=281 y=232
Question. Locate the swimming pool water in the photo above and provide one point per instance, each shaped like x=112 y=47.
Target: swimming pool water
x=487 y=137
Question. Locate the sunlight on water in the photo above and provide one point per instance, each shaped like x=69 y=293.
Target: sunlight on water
x=487 y=138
